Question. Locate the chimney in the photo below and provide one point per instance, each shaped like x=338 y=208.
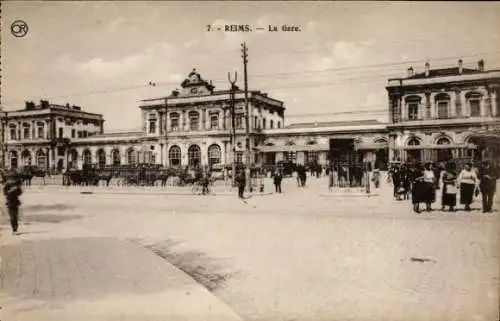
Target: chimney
x=427 y=69
x=480 y=65
x=460 y=66
x=67 y=105
x=410 y=72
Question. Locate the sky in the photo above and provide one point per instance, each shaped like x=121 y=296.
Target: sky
x=102 y=55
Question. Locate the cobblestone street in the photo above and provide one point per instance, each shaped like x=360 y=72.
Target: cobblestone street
x=299 y=255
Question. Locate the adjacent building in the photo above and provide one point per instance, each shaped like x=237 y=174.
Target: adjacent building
x=435 y=115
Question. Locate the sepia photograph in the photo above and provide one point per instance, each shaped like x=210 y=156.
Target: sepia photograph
x=249 y=161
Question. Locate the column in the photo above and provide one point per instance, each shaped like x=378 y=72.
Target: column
x=428 y=107
x=494 y=107
x=403 y=108
x=400 y=108
x=458 y=104
x=453 y=107
x=203 y=119
x=224 y=117
x=488 y=102
x=160 y=123
x=483 y=109
x=183 y=121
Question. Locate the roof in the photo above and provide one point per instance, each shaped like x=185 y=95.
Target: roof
x=335 y=123
x=454 y=71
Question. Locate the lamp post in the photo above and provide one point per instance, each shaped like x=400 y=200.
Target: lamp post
x=233 y=127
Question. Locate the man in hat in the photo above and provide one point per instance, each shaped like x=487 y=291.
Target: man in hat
x=12 y=190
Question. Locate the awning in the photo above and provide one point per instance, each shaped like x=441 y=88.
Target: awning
x=294 y=148
x=371 y=146
x=447 y=146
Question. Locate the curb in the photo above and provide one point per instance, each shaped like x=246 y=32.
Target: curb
x=348 y=194
x=147 y=192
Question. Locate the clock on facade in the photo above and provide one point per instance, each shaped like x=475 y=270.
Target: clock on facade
x=194 y=90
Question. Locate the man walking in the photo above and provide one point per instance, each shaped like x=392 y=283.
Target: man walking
x=12 y=190
x=487 y=186
x=241 y=182
x=277 y=181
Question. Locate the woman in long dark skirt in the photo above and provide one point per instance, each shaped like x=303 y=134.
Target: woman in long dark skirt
x=449 y=191
x=468 y=181
x=417 y=189
x=429 y=187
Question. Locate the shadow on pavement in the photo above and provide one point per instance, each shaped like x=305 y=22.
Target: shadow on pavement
x=210 y=272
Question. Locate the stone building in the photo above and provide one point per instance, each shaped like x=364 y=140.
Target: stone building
x=435 y=113
x=434 y=116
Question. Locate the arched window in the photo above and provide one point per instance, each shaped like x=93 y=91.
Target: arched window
x=413 y=142
x=40 y=126
x=26 y=157
x=174 y=156
x=412 y=105
x=131 y=156
x=174 y=121
x=271 y=124
x=279 y=124
x=115 y=157
x=87 y=157
x=194 y=120
x=152 y=120
x=443 y=154
x=101 y=158
x=474 y=102
x=443 y=105
x=13 y=160
x=41 y=161
x=414 y=155
x=214 y=155
x=194 y=156
x=263 y=123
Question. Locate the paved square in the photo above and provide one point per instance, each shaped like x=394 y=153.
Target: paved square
x=299 y=255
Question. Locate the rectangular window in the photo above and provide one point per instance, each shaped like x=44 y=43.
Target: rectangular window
x=85 y=134
x=194 y=123
x=152 y=126
x=255 y=122
x=239 y=121
x=79 y=134
x=26 y=133
x=174 y=124
x=239 y=157
x=475 y=108
x=73 y=133
x=214 y=122
x=13 y=134
x=60 y=151
x=60 y=133
x=442 y=107
x=40 y=132
x=412 y=111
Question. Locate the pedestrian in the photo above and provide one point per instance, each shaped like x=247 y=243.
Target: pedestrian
x=487 y=186
x=12 y=190
x=429 y=187
x=277 y=181
x=449 y=190
x=417 y=188
x=205 y=181
x=241 y=182
x=467 y=182
x=376 y=178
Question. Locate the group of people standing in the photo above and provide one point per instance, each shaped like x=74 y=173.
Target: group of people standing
x=422 y=183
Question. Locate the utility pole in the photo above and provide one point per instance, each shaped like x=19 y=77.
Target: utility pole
x=248 y=153
x=233 y=127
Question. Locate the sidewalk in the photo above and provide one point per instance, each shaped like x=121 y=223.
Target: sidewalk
x=61 y=272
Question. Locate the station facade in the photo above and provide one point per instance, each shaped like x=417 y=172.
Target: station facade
x=433 y=116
